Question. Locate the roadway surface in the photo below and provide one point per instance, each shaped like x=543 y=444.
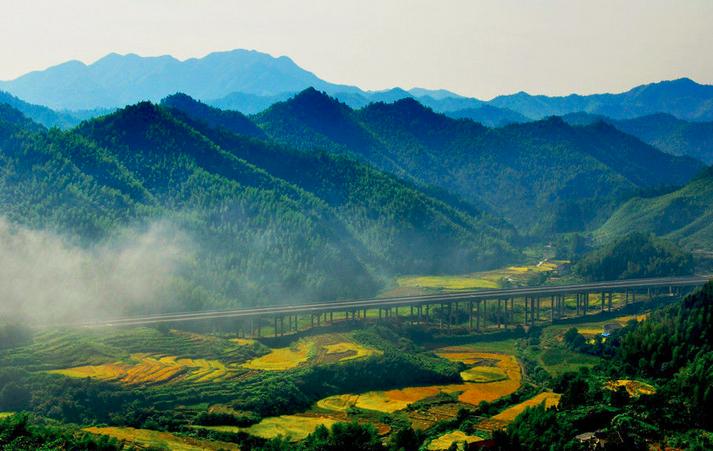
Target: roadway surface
x=391 y=302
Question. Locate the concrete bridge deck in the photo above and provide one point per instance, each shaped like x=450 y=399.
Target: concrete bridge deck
x=530 y=298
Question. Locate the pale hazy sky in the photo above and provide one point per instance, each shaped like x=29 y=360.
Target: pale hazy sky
x=475 y=47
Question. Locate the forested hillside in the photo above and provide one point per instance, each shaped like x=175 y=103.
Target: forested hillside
x=635 y=256
x=266 y=224
x=543 y=177
x=663 y=131
x=684 y=215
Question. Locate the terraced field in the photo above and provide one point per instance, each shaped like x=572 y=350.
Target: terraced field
x=296 y=427
x=446 y=440
x=320 y=349
x=144 y=369
x=633 y=388
x=144 y=438
x=390 y=401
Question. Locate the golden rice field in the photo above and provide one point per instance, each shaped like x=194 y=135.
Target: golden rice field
x=483 y=374
x=349 y=350
x=295 y=427
x=633 y=388
x=470 y=392
x=153 y=369
x=326 y=348
x=145 y=438
x=446 y=440
x=550 y=399
x=282 y=359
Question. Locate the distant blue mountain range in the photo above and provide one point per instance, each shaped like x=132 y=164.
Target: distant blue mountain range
x=250 y=81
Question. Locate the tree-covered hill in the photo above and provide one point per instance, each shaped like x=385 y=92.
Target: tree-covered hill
x=684 y=215
x=543 y=177
x=397 y=222
x=636 y=255
x=663 y=131
x=267 y=224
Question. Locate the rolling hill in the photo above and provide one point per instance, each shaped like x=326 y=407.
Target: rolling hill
x=685 y=215
x=682 y=98
x=267 y=224
x=510 y=170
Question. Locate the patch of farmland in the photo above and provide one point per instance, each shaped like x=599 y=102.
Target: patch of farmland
x=145 y=369
x=146 y=438
x=295 y=427
x=426 y=417
x=548 y=398
x=348 y=350
x=320 y=349
x=483 y=374
x=282 y=359
x=445 y=441
x=470 y=393
x=6 y=414
x=633 y=387
x=517 y=275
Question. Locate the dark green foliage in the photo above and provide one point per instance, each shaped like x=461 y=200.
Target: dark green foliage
x=636 y=255
x=23 y=432
x=344 y=437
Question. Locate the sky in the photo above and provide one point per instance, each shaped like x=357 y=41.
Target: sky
x=479 y=48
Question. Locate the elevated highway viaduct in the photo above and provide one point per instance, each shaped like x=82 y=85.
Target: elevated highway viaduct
x=474 y=310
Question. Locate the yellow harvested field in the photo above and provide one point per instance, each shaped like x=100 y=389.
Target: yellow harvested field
x=145 y=438
x=243 y=341
x=470 y=392
x=446 y=440
x=351 y=349
x=474 y=281
x=152 y=369
x=6 y=414
x=550 y=399
x=296 y=427
x=483 y=374
x=447 y=282
x=282 y=359
x=633 y=388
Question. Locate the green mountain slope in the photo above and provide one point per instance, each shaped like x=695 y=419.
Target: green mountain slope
x=685 y=215
x=405 y=228
x=266 y=224
x=663 y=131
x=544 y=176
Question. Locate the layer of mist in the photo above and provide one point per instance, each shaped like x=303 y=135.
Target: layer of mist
x=46 y=279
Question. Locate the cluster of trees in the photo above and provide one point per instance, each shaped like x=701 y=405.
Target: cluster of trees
x=635 y=255
x=23 y=432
